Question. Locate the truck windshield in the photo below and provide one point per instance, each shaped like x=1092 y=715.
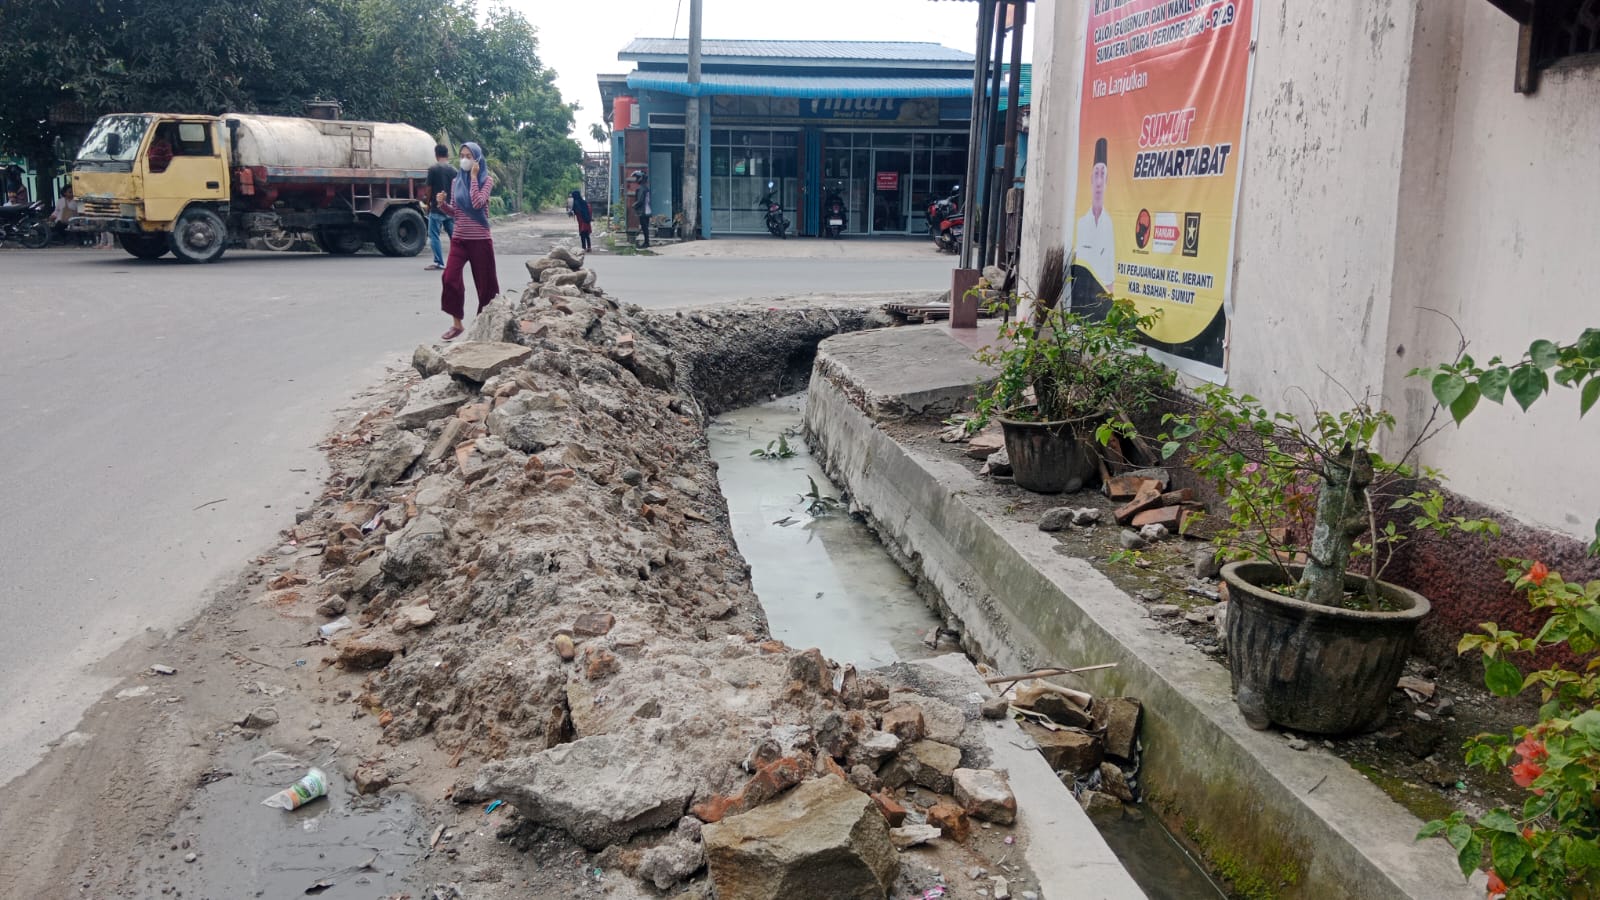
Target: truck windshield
x=115 y=141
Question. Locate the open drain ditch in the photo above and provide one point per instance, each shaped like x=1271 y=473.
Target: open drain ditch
x=826 y=581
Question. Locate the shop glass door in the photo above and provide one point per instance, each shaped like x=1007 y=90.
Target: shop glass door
x=891 y=191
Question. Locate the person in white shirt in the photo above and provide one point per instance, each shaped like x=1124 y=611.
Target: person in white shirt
x=1095 y=253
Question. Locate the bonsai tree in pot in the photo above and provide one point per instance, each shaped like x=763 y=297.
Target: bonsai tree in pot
x=1316 y=639
x=1068 y=383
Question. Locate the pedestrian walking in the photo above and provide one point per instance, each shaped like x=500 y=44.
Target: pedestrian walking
x=440 y=176
x=641 y=203
x=579 y=209
x=468 y=205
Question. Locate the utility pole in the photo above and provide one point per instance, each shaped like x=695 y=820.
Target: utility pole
x=691 y=132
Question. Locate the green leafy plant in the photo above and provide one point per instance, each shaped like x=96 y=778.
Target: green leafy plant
x=818 y=503
x=1550 y=848
x=1069 y=365
x=1460 y=385
x=778 y=449
x=1311 y=490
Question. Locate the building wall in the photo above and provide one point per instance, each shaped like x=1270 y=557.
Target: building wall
x=1390 y=171
x=1508 y=258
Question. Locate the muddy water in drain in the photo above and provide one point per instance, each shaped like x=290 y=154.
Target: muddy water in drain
x=360 y=847
x=824 y=580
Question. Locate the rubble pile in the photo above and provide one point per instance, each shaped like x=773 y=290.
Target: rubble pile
x=1091 y=742
x=537 y=573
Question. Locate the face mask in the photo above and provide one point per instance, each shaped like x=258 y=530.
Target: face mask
x=466 y=162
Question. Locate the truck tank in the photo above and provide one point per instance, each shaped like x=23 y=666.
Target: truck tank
x=287 y=142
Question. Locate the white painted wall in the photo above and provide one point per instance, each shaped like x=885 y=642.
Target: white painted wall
x=1389 y=170
x=1510 y=260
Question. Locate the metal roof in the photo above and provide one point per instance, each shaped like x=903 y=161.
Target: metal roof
x=868 y=53
x=1025 y=97
x=809 y=86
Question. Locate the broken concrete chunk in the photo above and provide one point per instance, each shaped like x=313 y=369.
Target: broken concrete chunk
x=985 y=794
x=427 y=361
x=594 y=624
x=1086 y=516
x=1068 y=751
x=602 y=789
x=1204 y=561
x=1131 y=540
x=1154 y=533
x=370 y=779
x=1098 y=803
x=368 y=651
x=1056 y=519
x=999 y=462
x=1118 y=718
x=417 y=551
x=389 y=460
x=436 y=397
x=936 y=764
x=1114 y=782
x=675 y=858
x=907 y=836
x=409 y=617
x=480 y=360
x=822 y=839
x=951 y=821
x=905 y=722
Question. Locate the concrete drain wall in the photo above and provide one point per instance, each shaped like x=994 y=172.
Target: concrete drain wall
x=1299 y=824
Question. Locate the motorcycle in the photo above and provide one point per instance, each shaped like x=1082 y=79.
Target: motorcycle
x=834 y=219
x=26 y=224
x=777 y=224
x=946 y=220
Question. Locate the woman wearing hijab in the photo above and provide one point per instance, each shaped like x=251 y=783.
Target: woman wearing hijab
x=468 y=205
x=580 y=210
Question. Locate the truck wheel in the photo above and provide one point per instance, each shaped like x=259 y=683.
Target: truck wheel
x=145 y=246
x=279 y=241
x=402 y=232
x=340 y=241
x=199 y=236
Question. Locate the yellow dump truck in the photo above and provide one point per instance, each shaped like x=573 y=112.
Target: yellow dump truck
x=196 y=185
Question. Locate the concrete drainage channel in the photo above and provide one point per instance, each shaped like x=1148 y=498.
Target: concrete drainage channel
x=826 y=581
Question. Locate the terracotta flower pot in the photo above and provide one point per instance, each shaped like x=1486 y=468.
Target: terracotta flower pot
x=1313 y=668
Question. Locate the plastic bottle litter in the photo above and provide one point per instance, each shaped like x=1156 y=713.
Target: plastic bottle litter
x=336 y=626
x=307 y=789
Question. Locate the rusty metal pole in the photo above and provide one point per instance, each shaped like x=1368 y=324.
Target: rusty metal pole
x=974 y=143
x=1013 y=114
x=991 y=105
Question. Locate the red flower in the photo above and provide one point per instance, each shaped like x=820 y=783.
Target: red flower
x=1527 y=834
x=1531 y=750
x=1539 y=573
x=1497 y=888
x=1524 y=773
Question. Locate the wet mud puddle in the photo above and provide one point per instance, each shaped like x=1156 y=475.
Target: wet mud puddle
x=339 y=846
x=823 y=578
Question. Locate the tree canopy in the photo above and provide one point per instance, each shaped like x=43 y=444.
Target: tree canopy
x=429 y=63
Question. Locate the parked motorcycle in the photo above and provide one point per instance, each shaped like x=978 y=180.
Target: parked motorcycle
x=835 y=220
x=26 y=224
x=777 y=224
x=946 y=220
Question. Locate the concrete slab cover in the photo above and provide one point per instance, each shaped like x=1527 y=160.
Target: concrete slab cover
x=1308 y=814
x=917 y=370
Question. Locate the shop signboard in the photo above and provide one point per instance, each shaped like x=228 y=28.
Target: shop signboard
x=797 y=110
x=888 y=181
x=1161 y=123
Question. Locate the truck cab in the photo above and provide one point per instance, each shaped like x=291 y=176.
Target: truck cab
x=137 y=174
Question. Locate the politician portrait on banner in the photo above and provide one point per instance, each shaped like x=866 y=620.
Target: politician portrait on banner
x=1161 y=131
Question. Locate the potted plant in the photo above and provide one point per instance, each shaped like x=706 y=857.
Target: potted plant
x=1068 y=383
x=1316 y=639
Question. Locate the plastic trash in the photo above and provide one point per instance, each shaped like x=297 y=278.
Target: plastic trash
x=336 y=626
x=307 y=789
x=493 y=806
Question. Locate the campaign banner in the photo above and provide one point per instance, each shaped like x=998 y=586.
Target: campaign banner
x=1161 y=124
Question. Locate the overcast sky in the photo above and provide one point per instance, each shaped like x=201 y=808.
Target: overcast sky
x=581 y=38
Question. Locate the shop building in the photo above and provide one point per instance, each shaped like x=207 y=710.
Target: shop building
x=882 y=124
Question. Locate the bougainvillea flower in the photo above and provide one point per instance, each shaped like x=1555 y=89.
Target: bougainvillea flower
x=1539 y=573
x=1497 y=888
x=1524 y=773
x=1531 y=750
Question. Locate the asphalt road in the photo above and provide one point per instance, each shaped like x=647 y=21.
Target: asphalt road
x=161 y=424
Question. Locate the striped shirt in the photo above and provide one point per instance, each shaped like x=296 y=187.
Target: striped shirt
x=467 y=228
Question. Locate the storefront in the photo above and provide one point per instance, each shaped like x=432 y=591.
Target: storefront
x=882 y=125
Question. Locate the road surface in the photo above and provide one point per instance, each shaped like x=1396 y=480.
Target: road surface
x=161 y=424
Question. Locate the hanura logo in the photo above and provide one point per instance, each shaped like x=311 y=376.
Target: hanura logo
x=1166 y=232
x=1141 y=230
x=1191 y=234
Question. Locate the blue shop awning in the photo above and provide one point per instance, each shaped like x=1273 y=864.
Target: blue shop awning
x=811 y=86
